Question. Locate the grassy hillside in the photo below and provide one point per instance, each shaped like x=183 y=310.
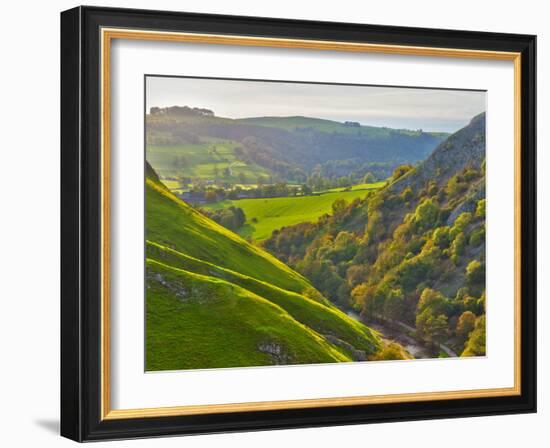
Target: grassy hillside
x=289 y=147
x=264 y=215
x=214 y=300
x=207 y=160
x=329 y=126
x=172 y=223
x=196 y=321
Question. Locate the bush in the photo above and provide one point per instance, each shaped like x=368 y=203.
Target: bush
x=465 y=325
x=475 y=272
x=458 y=245
x=426 y=214
x=477 y=237
x=475 y=346
x=480 y=208
x=441 y=237
x=400 y=171
x=390 y=352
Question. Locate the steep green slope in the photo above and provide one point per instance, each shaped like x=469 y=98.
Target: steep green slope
x=321 y=316
x=172 y=223
x=214 y=300
x=196 y=321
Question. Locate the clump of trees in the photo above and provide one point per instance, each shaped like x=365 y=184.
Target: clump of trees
x=232 y=218
x=401 y=256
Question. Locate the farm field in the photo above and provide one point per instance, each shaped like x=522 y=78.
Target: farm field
x=264 y=215
x=207 y=160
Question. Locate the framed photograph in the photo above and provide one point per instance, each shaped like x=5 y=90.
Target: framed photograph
x=273 y=223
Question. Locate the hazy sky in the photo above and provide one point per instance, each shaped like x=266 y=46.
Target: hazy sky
x=428 y=109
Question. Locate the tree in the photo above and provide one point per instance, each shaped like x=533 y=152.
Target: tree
x=210 y=196
x=369 y=178
x=432 y=300
x=455 y=186
x=356 y=274
x=305 y=189
x=475 y=346
x=458 y=246
x=463 y=220
x=426 y=214
x=389 y=352
x=465 y=325
x=475 y=272
x=480 y=208
x=339 y=207
x=433 y=328
x=393 y=305
x=441 y=237
x=400 y=171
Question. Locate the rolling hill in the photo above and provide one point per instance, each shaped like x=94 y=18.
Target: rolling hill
x=182 y=140
x=214 y=300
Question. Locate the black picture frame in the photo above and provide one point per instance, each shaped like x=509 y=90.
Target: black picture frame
x=81 y=224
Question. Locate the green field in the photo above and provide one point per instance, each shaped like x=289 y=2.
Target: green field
x=264 y=215
x=205 y=161
x=214 y=300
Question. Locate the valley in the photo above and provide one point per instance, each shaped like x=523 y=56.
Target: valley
x=267 y=246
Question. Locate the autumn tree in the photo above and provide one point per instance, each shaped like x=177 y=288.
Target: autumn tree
x=475 y=346
x=400 y=171
x=465 y=325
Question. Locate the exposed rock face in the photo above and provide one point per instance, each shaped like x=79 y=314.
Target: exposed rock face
x=276 y=352
x=464 y=148
x=178 y=290
x=469 y=203
x=357 y=355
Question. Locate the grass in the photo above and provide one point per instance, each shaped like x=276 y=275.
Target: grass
x=214 y=300
x=264 y=215
x=358 y=187
x=315 y=312
x=171 y=184
x=172 y=223
x=206 y=160
x=322 y=125
x=213 y=324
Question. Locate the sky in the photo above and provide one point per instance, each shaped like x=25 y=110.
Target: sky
x=394 y=107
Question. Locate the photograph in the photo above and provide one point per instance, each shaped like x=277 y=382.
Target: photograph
x=306 y=223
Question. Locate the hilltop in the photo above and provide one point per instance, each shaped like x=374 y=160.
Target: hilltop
x=201 y=145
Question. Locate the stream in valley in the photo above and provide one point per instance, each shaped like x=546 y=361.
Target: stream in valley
x=417 y=349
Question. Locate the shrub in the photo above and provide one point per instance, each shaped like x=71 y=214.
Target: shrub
x=480 y=208
x=400 y=171
x=390 y=352
x=441 y=237
x=475 y=272
x=477 y=237
x=426 y=214
x=465 y=325
x=475 y=346
x=458 y=245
